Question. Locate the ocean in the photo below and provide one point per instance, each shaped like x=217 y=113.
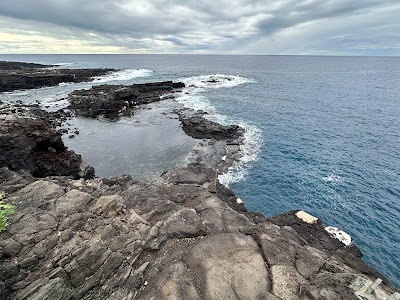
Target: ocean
x=323 y=133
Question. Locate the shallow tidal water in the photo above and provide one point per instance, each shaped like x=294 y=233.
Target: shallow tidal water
x=143 y=145
x=323 y=134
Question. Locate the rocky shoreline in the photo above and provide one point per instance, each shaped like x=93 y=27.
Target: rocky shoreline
x=21 y=76
x=182 y=236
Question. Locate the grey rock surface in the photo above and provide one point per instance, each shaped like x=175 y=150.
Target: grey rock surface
x=117 y=238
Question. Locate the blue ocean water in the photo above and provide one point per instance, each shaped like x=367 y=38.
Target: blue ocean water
x=326 y=135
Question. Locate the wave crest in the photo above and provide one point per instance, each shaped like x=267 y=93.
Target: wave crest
x=123 y=75
x=193 y=98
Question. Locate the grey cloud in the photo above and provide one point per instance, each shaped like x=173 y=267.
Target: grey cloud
x=186 y=26
x=296 y=12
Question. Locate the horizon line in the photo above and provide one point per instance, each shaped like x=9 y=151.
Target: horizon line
x=207 y=54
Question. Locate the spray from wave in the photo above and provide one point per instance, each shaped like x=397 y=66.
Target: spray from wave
x=192 y=97
x=123 y=75
x=250 y=150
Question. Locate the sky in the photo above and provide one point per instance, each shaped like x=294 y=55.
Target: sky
x=280 y=27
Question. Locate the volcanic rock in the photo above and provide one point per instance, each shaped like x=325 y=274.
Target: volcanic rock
x=18 y=76
x=199 y=127
x=30 y=143
x=183 y=236
x=112 y=99
x=117 y=238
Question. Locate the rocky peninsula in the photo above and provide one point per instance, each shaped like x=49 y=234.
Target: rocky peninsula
x=21 y=76
x=182 y=236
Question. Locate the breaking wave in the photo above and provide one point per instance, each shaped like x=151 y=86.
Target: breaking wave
x=193 y=97
x=332 y=178
x=123 y=75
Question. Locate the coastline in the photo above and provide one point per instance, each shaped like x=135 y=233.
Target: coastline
x=148 y=235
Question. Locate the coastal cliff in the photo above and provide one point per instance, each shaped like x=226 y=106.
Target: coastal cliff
x=182 y=236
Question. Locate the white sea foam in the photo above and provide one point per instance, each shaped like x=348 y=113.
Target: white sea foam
x=193 y=98
x=55 y=102
x=123 y=75
x=250 y=150
x=16 y=93
x=332 y=178
x=192 y=94
x=199 y=83
x=62 y=65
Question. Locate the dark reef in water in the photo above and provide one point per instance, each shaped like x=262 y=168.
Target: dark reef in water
x=20 y=76
x=182 y=236
x=114 y=99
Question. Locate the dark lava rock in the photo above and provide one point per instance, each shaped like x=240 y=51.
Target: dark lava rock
x=198 y=127
x=30 y=143
x=17 y=76
x=314 y=234
x=11 y=65
x=112 y=99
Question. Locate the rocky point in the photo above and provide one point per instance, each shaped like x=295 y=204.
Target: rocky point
x=182 y=236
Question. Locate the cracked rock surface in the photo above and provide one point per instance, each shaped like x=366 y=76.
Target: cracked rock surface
x=117 y=238
x=29 y=142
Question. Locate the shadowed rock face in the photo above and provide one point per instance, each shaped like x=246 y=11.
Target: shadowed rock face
x=30 y=143
x=18 y=76
x=111 y=99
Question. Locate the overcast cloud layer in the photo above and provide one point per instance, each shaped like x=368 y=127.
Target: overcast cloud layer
x=320 y=27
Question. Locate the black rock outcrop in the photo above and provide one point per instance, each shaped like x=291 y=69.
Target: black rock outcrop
x=28 y=142
x=199 y=127
x=114 y=99
x=18 y=76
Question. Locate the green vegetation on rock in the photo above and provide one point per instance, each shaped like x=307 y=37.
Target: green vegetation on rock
x=5 y=210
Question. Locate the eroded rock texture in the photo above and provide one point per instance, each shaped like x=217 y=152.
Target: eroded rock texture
x=199 y=127
x=111 y=99
x=116 y=238
x=28 y=142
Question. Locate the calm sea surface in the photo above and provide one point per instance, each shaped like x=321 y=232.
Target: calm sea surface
x=323 y=134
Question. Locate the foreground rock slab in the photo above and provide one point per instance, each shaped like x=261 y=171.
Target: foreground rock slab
x=117 y=238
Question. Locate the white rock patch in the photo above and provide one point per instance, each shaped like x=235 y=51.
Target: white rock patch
x=306 y=217
x=339 y=234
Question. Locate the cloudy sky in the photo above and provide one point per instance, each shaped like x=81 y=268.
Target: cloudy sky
x=316 y=27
